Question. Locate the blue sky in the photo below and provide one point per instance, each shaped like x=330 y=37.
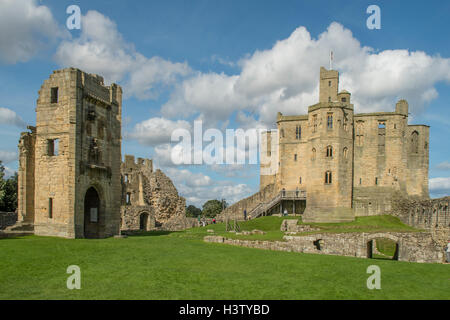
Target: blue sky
x=208 y=60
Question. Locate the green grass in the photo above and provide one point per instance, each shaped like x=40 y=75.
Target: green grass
x=271 y=225
x=180 y=265
x=386 y=246
x=381 y=223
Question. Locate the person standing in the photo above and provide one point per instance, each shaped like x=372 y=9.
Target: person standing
x=245 y=214
x=448 y=251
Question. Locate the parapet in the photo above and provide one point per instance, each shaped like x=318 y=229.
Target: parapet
x=402 y=107
x=129 y=160
x=141 y=163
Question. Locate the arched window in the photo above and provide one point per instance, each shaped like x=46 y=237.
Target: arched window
x=313 y=155
x=415 y=142
x=282 y=133
x=330 y=121
x=328 y=177
x=329 y=151
x=345 y=152
x=298 y=132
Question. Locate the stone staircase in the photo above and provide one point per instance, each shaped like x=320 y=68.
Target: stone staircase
x=17 y=230
x=263 y=208
x=260 y=203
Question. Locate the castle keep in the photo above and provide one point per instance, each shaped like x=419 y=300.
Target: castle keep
x=333 y=164
x=71 y=177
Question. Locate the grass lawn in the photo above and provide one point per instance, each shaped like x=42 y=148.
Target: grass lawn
x=386 y=247
x=179 y=265
x=271 y=225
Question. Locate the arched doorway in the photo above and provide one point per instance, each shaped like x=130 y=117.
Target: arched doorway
x=91 y=213
x=383 y=248
x=143 y=221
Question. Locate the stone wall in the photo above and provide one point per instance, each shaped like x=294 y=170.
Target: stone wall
x=180 y=222
x=7 y=219
x=150 y=193
x=69 y=164
x=412 y=247
x=423 y=213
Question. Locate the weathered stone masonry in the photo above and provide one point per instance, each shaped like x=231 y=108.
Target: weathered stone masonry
x=423 y=213
x=412 y=247
x=69 y=164
x=149 y=198
x=7 y=219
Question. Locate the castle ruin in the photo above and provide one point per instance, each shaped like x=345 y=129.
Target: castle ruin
x=71 y=177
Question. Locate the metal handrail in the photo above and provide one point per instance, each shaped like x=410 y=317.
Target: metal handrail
x=281 y=195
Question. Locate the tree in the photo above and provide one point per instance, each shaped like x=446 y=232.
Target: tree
x=193 y=211
x=8 y=191
x=11 y=188
x=212 y=208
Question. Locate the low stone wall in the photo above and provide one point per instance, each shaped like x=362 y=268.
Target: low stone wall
x=412 y=247
x=179 y=223
x=7 y=219
x=291 y=225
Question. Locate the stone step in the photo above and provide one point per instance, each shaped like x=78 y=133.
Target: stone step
x=21 y=226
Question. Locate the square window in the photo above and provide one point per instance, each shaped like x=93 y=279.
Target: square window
x=54 y=95
x=52 y=147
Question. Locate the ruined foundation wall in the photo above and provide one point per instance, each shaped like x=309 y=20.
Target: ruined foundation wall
x=423 y=213
x=412 y=247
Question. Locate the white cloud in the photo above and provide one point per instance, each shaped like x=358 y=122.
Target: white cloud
x=25 y=29
x=235 y=170
x=7 y=116
x=155 y=131
x=285 y=78
x=101 y=49
x=211 y=95
x=188 y=178
x=9 y=172
x=440 y=186
x=443 y=165
x=8 y=156
x=198 y=188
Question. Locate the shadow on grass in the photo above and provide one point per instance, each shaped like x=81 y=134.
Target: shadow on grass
x=148 y=233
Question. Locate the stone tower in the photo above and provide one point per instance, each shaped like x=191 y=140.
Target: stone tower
x=74 y=154
x=330 y=142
